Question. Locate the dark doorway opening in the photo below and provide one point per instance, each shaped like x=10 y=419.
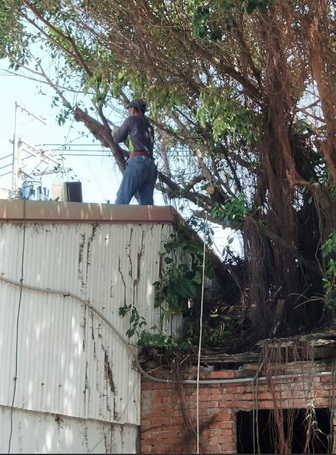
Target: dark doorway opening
x=257 y=431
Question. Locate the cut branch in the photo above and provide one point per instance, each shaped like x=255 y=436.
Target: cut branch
x=103 y=134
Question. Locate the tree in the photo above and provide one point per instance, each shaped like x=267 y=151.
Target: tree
x=245 y=91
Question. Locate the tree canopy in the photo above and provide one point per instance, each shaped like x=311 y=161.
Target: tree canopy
x=242 y=94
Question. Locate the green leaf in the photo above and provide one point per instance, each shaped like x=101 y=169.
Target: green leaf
x=130 y=332
x=186 y=289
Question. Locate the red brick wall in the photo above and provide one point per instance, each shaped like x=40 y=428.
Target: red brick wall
x=168 y=417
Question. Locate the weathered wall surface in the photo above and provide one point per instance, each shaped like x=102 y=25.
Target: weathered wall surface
x=40 y=432
x=169 y=410
x=63 y=348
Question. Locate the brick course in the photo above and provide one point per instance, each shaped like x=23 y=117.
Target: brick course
x=166 y=429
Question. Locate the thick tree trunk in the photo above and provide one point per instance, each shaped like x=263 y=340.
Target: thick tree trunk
x=103 y=135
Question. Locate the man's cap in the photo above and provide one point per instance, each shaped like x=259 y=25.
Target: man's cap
x=138 y=104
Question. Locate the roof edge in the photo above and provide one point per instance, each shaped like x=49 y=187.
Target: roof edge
x=19 y=210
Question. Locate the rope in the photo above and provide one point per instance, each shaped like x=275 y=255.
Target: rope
x=17 y=325
x=200 y=344
x=75 y=297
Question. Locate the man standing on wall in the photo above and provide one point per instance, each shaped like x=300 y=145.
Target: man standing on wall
x=141 y=172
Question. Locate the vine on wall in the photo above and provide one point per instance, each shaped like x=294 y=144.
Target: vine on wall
x=176 y=291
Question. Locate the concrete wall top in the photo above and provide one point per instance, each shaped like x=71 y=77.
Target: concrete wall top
x=51 y=211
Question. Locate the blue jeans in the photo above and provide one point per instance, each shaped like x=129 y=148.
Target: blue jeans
x=139 y=176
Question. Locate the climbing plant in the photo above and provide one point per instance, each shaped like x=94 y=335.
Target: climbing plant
x=181 y=273
x=329 y=281
x=178 y=288
x=187 y=276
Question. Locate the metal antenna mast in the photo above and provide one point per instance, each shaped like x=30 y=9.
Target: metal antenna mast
x=17 y=150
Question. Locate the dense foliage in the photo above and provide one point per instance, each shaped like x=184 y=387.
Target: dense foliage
x=242 y=93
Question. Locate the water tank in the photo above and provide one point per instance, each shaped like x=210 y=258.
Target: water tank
x=33 y=190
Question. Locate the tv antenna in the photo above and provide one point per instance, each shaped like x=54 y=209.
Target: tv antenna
x=19 y=146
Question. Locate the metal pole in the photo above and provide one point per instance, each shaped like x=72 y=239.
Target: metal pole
x=17 y=157
x=17 y=150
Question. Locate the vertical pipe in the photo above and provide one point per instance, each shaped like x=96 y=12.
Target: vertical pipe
x=17 y=157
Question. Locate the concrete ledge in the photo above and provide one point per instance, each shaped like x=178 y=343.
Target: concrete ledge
x=41 y=211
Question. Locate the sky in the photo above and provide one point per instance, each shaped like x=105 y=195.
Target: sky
x=97 y=174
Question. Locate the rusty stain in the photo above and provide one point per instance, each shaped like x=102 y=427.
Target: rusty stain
x=94 y=231
x=110 y=440
x=130 y=272
x=80 y=254
x=129 y=253
x=88 y=258
x=84 y=329
x=59 y=420
x=162 y=266
x=98 y=383
x=139 y=261
x=122 y=278
x=92 y=329
x=140 y=256
x=115 y=413
x=84 y=434
x=108 y=370
x=86 y=375
x=84 y=333
x=93 y=337
x=106 y=444
x=108 y=407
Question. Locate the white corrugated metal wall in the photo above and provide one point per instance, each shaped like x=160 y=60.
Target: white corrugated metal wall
x=73 y=359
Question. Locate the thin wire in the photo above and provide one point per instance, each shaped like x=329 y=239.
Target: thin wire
x=6 y=165
x=200 y=342
x=7 y=156
x=17 y=326
x=6 y=173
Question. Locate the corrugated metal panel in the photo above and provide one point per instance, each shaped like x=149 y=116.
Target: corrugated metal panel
x=36 y=432
x=70 y=360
